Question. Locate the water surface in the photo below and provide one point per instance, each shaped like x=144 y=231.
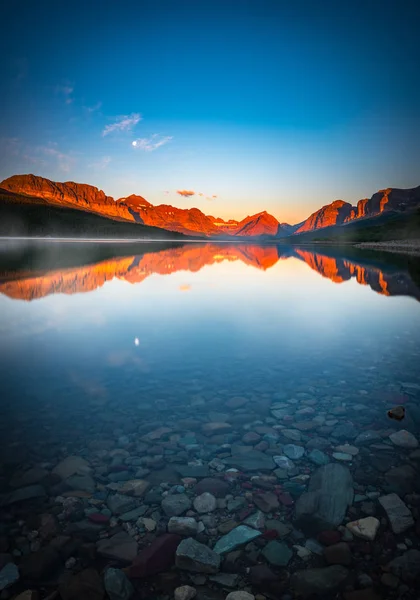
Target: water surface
x=100 y=351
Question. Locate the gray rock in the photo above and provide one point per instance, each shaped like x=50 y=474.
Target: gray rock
x=120 y=546
x=117 y=585
x=9 y=574
x=256 y=521
x=319 y=581
x=318 y=457
x=22 y=494
x=324 y=505
x=240 y=595
x=229 y=580
x=72 y=465
x=205 y=503
x=397 y=512
x=342 y=456
x=345 y=431
x=400 y=480
x=133 y=515
x=81 y=482
x=197 y=558
x=193 y=471
x=175 y=505
x=30 y=477
x=252 y=461
x=277 y=553
x=183 y=526
x=185 y=592
x=294 y=452
x=404 y=439
x=367 y=437
x=237 y=537
x=284 y=463
x=406 y=566
x=119 y=504
x=292 y=434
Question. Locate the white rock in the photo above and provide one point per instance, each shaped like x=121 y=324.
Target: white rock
x=185 y=592
x=205 y=503
x=366 y=528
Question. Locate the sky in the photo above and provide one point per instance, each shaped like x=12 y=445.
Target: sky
x=233 y=106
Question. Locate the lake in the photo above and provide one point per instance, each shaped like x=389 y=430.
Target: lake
x=200 y=388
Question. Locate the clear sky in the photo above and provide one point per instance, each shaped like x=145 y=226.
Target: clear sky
x=256 y=105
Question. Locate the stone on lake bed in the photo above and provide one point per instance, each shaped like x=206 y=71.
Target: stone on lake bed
x=365 y=528
x=120 y=546
x=256 y=521
x=119 y=504
x=240 y=595
x=85 y=585
x=406 y=566
x=294 y=452
x=267 y=502
x=22 y=494
x=117 y=585
x=156 y=558
x=398 y=513
x=342 y=456
x=9 y=574
x=234 y=539
x=319 y=581
x=205 y=503
x=216 y=487
x=185 y=592
x=292 y=434
x=404 y=439
x=197 y=558
x=135 y=487
x=216 y=428
x=324 y=505
x=348 y=449
x=366 y=438
x=252 y=461
x=183 y=526
x=175 y=505
x=72 y=465
x=318 y=457
x=284 y=463
x=277 y=553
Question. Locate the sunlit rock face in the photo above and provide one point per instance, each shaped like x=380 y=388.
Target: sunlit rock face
x=134 y=208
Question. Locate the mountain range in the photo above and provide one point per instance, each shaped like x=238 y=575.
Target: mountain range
x=32 y=190
x=134 y=269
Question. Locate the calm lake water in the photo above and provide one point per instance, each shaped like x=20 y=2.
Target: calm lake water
x=208 y=360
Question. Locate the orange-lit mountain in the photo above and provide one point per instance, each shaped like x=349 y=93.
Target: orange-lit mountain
x=136 y=209
x=191 y=258
x=340 y=212
x=26 y=189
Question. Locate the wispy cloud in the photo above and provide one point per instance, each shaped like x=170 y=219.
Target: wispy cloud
x=66 y=90
x=64 y=161
x=185 y=193
x=151 y=143
x=102 y=163
x=123 y=123
x=94 y=108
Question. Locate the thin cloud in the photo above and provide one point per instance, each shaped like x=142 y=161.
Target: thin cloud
x=94 y=108
x=102 y=163
x=66 y=91
x=185 y=193
x=200 y=194
x=214 y=196
x=64 y=161
x=124 y=123
x=154 y=142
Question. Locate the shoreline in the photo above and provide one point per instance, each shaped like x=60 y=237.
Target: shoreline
x=410 y=247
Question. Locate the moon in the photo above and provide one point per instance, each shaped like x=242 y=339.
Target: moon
x=134 y=143
x=136 y=341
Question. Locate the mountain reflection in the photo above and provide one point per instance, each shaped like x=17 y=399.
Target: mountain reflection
x=29 y=285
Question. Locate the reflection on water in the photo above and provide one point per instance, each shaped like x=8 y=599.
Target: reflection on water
x=253 y=373
x=135 y=269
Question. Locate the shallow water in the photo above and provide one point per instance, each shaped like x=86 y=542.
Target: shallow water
x=273 y=345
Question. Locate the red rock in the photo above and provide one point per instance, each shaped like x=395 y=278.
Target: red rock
x=286 y=499
x=246 y=485
x=328 y=538
x=270 y=534
x=98 y=518
x=156 y=558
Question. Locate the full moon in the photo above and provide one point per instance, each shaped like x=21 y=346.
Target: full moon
x=136 y=341
x=134 y=143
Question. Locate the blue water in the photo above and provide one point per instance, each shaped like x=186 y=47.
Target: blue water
x=104 y=349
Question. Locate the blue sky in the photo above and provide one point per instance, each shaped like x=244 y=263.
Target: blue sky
x=255 y=105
